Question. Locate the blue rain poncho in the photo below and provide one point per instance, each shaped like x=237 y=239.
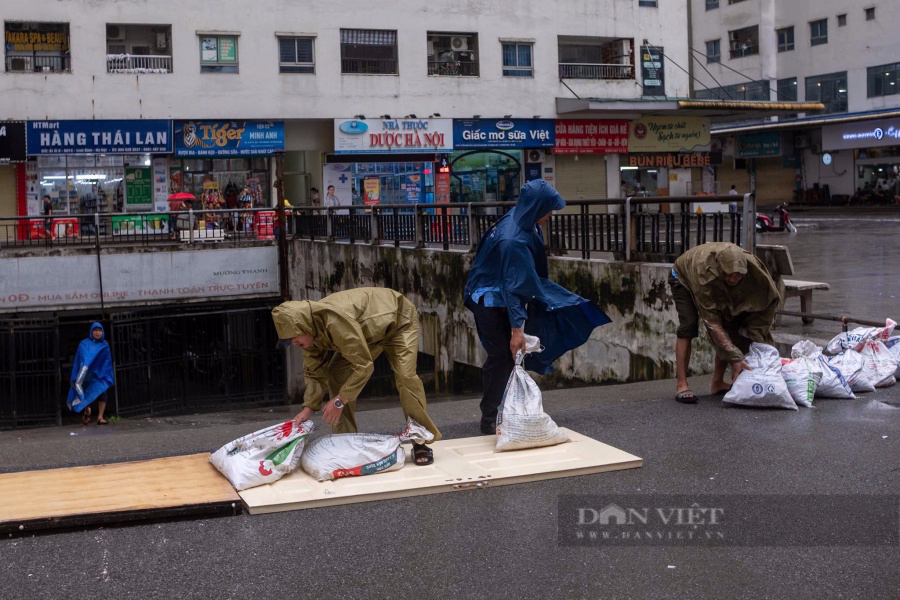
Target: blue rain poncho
x=510 y=271
x=92 y=373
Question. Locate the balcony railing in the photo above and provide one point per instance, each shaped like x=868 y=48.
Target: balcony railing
x=130 y=63
x=454 y=68
x=38 y=64
x=744 y=51
x=369 y=66
x=595 y=71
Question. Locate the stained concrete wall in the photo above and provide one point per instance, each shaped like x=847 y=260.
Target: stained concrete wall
x=638 y=344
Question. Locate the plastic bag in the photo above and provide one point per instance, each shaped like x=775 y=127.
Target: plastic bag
x=763 y=386
x=264 y=456
x=353 y=454
x=851 y=364
x=802 y=376
x=880 y=364
x=521 y=420
x=893 y=344
x=832 y=384
x=855 y=339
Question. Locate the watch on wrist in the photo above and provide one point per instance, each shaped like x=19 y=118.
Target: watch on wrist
x=338 y=403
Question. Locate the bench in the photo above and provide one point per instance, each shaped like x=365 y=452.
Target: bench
x=804 y=289
x=778 y=260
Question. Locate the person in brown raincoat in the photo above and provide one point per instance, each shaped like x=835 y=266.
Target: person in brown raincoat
x=341 y=336
x=731 y=292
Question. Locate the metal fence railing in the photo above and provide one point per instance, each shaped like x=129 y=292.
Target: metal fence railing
x=131 y=63
x=595 y=71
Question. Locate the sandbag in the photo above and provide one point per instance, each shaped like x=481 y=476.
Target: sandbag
x=763 y=386
x=802 y=376
x=855 y=339
x=264 y=456
x=521 y=420
x=832 y=384
x=354 y=454
x=851 y=364
x=880 y=364
x=893 y=344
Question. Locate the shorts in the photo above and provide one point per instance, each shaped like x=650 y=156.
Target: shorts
x=688 y=318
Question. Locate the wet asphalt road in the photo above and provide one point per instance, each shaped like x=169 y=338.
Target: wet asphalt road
x=497 y=542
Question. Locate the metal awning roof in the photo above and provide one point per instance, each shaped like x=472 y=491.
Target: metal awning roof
x=719 y=111
x=806 y=122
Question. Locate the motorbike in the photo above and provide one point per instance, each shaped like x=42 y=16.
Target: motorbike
x=765 y=223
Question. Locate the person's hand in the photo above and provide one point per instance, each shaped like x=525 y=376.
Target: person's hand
x=737 y=367
x=517 y=342
x=303 y=415
x=331 y=415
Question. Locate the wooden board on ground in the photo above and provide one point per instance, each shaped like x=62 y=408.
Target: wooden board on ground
x=114 y=493
x=460 y=464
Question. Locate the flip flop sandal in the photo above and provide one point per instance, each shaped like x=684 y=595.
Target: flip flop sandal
x=686 y=397
x=421 y=451
x=86 y=416
x=102 y=422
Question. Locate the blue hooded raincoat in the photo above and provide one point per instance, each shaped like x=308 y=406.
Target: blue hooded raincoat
x=94 y=358
x=510 y=271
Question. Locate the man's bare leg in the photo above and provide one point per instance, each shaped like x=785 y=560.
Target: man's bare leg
x=718 y=385
x=101 y=407
x=682 y=360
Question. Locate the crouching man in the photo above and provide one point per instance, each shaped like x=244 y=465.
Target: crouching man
x=341 y=336
x=731 y=292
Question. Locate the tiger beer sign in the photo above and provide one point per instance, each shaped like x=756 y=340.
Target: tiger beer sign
x=228 y=138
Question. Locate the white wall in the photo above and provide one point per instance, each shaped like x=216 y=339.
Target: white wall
x=259 y=91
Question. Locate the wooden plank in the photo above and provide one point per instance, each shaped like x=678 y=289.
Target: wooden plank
x=171 y=486
x=460 y=464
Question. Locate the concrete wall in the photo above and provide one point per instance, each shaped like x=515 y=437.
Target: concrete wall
x=637 y=345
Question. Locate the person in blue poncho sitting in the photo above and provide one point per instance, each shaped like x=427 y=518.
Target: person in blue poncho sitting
x=509 y=294
x=92 y=375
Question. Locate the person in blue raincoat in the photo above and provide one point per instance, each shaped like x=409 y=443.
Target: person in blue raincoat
x=92 y=376
x=509 y=294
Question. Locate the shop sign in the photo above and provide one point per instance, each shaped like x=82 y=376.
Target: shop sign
x=138 y=186
x=99 y=137
x=758 y=144
x=37 y=41
x=653 y=75
x=674 y=160
x=503 y=133
x=861 y=134
x=228 y=138
x=372 y=189
x=668 y=134
x=358 y=136
x=12 y=141
x=591 y=136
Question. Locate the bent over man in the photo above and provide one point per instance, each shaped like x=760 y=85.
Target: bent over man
x=341 y=336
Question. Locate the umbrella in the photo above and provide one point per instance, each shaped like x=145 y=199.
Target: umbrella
x=181 y=196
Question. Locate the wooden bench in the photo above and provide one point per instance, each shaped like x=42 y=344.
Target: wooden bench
x=778 y=260
x=803 y=289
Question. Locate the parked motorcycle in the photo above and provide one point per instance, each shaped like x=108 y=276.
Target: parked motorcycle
x=765 y=223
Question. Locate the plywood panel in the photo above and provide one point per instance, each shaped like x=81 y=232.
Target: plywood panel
x=113 y=493
x=459 y=464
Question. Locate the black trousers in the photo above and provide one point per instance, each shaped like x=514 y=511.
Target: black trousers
x=494 y=331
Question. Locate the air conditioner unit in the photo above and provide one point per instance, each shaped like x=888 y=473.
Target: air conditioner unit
x=20 y=63
x=535 y=156
x=459 y=43
x=733 y=36
x=140 y=50
x=116 y=49
x=162 y=40
x=115 y=33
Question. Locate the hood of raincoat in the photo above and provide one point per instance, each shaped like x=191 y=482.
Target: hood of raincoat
x=294 y=318
x=91 y=333
x=731 y=260
x=536 y=199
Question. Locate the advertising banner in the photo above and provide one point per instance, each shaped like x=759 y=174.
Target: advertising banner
x=99 y=137
x=668 y=134
x=503 y=133
x=138 y=186
x=372 y=189
x=653 y=73
x=228 y=138
x=338 y=184
x=758 y=144
x=591 y=136
x=861 y=134
x=383 y=136
x=140 y=225
x=12 y=141
x=160 y=184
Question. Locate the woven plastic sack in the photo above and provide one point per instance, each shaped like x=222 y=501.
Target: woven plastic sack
x=802 y=376
x=880 y=364
x=521 y=420
x=264 y=456
x=893 y=344
x=763 y=386
x=855 y=339
x=833 y=384
x=851 y=364
x=354 y=454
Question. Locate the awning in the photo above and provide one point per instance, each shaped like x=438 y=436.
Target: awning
x=719 y=111
x=806 y=122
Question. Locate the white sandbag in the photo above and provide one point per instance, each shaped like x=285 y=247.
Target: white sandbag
x=832 y=384
x=353 y=454
x=893 y=344
x=264 y=456
x=801 y=376
x=763 y=386
x=521 y=420
x=851 y=364
x=855 y=339
x=880 y=364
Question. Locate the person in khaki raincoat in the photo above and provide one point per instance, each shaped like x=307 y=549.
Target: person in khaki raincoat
x=341 y=336
x=731 y=292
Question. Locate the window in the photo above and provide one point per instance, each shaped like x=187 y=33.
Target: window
x=744 y=42
x=713 y=51
x=295 y=55
x=734 y=1
x=752 y=90
x=595 y=58
x=842 y=20
x=369 y=51
x=650 y=3
x=33 y=47
x=882 y=81
x=517 y=60
x=818 y=32
x=787 y=89
x=138 y=48
x=711 y=4
x=870 y=13
x=831 y=90
x=218 y=54
x=453 y=54
x=785 y=39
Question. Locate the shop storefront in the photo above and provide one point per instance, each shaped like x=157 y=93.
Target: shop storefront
x=580 y=153
x=12 y=159
x=875 y=148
